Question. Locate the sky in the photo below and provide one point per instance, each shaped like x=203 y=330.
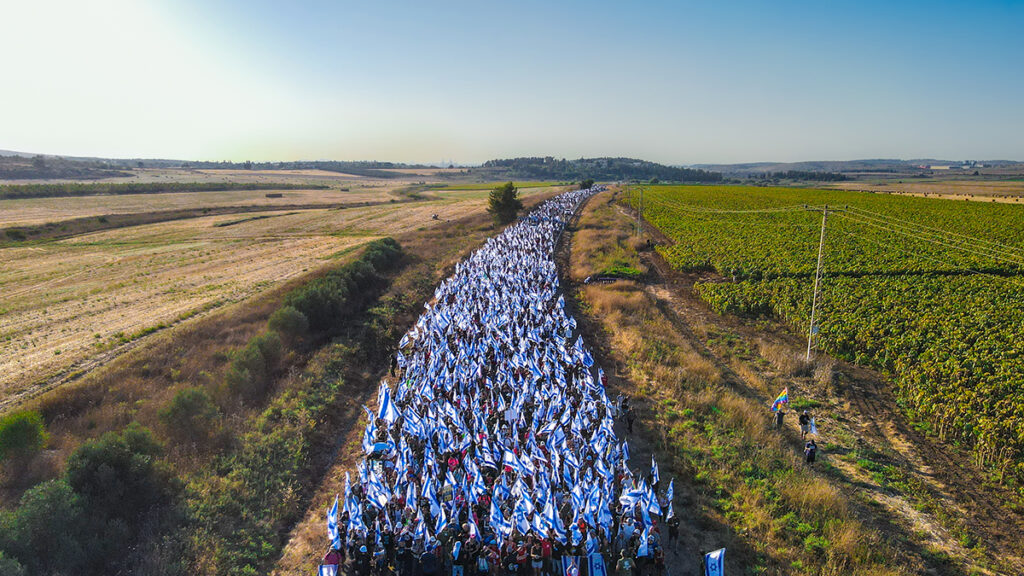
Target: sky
x=413 y=81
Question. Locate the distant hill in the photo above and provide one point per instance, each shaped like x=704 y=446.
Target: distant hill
x=877 y=165
x=15 y=166
x=549 y=168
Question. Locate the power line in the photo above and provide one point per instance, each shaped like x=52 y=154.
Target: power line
x=943 y=262
x=874 y=222
x=907 y=223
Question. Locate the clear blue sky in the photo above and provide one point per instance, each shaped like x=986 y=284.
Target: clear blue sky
x=418 y=81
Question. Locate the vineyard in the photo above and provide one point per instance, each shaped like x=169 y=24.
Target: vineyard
x=928 y=291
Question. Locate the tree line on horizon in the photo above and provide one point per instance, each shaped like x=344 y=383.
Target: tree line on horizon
x=549 y=168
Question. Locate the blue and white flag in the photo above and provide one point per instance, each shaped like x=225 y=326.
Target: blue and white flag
x=332 y=522
x=328 y=570
x=655 y=477
x=595 y=565
x=644 y=548
x=388 y=411
x=571 y=565
x=714 y=563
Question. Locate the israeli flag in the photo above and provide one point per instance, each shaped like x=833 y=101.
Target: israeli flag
x=388 y=411
x=714 y=563
x=644 y=549
x=332 y=521
x=595 y=565
x=654 y=471
x=814 y=428
x=328 y=570
x=571 y=565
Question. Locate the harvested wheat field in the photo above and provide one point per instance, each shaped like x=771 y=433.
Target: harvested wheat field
x=63 y=302
x=30 y=211
x=972 y=190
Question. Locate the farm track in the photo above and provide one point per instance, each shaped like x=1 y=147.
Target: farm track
x=870 y=407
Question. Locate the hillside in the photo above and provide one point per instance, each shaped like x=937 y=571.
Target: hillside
x=602 y=169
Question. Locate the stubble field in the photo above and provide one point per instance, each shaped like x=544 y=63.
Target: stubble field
x=65 y=303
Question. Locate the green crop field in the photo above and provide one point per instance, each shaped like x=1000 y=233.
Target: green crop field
x=929 y=291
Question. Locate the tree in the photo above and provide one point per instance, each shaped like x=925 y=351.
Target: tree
x=50 y=517
x=22 y=434
x=118 y=476
x=504 y=203
x=584 y=184
x=190 y=415
x=289 y=321
x=10 y=566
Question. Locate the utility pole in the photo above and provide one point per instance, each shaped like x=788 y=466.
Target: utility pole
x=813 y=329
x=639 y=211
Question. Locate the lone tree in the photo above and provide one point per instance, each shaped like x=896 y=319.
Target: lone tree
x=584 y=184
x=504 y=203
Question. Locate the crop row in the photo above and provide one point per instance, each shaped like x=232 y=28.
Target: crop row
x=929 y=291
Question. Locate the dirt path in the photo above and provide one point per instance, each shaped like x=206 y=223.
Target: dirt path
x=959 y=505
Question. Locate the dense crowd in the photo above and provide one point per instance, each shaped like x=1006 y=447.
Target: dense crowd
x=495 y=452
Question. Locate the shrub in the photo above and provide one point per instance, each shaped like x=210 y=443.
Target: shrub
x=247 y=375
x=190 y=415
x=328 y=301
x=270 y=347
x=10 y=566
x=289 y=321
x=50 y=517
x=22 y=434
x=118 y=476
x=113 y=491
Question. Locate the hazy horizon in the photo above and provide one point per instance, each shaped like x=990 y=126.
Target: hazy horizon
x=676 y=83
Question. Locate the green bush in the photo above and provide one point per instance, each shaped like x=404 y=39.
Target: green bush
x=22 y=434
x=10 y=566
x=289 y=321
x=190 y=416
x=47 y=532
x=269 y=345
x=118 y=475
x=247 y=376
x=330 y=300
x=88 y=522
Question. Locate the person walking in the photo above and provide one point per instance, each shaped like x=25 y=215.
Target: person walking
x=810 y=451
x=779 y=415
x=805 y=424
x=625 y=565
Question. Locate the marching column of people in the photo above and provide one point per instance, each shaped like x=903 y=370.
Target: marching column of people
x=495 y=451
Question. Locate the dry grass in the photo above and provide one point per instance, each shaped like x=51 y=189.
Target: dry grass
x=814 y=497
x=825 y=371
x=670 y=375
x=971 y=190
x=599 y=245
x=29 y=211
x=787 y=361
x=65 y=303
